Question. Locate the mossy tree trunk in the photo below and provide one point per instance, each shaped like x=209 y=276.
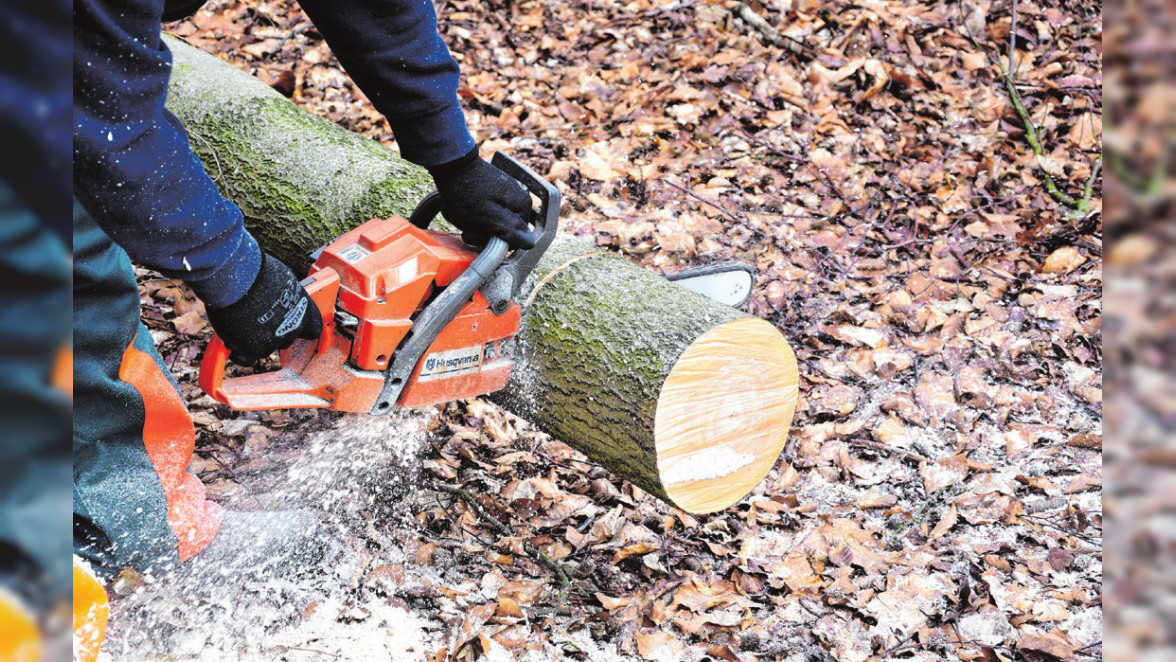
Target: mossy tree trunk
x=300 y=180
x=602 y=339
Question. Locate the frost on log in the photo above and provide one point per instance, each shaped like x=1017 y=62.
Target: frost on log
x=688 y=399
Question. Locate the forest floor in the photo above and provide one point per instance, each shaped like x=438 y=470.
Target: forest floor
x=937 y=269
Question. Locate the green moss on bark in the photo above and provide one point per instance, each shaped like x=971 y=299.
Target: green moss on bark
x=299 y=179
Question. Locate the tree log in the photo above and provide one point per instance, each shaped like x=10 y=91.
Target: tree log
x=689 y=399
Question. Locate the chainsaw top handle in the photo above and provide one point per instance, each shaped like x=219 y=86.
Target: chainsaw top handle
x=497 y=275
x=504 y=285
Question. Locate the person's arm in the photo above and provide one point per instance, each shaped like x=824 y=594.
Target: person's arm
x=133 y=169
x=135 y=174
x=392 y=50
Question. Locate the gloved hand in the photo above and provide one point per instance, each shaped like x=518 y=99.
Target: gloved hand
x=274 y=312
x=482 y=201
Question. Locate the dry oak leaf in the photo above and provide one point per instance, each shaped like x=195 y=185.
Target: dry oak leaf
x=610 y=603
x=935 y=393
x=1063 y=260
x=659 y=646
x=190 y=323
x=948 y=471
x=797 y=574
x=949 y=520
x=904 y=607
x=1050 y=643
x=593 y=166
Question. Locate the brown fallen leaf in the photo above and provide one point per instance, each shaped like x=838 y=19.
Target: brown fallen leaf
x=190 y=323
x=949 y=520
x=1050 y=643
x=610 y=603
x=659 y=646
x=948 y=471
x=593 y=166
x=508 y=607
x=633 y=550
x=1063 y=260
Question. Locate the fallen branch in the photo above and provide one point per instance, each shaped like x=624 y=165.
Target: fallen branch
x=771 y=34
x=1034 y=140
x=506 y=531
x=1008 y=77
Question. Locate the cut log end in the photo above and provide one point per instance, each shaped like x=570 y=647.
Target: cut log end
x=723 y=414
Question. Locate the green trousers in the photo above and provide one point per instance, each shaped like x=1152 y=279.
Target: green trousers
x=133 y=438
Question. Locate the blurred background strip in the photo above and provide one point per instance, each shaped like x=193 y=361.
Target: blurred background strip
x=35 y=295
x=1140 y=296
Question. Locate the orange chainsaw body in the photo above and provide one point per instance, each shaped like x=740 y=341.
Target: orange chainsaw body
x=368 y=284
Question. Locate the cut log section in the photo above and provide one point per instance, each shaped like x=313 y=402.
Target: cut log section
x=689 y=399
x=717 y=429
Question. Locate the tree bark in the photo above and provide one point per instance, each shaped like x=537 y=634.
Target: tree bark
x=689 y=399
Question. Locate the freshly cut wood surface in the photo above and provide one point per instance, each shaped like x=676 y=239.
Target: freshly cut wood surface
x=723 y=414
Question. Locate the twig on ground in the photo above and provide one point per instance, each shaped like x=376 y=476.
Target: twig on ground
x=883 y=448
x=297 y=30
x=1013 y=64
x=1034 y=140
x=704 y=200
x=506 y=531
x=1008 y=78
x=771 y=34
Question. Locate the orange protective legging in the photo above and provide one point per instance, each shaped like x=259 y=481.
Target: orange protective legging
x=20 y=639
x=170 y=439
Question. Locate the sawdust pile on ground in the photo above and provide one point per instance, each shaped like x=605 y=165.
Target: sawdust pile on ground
x=940 y=496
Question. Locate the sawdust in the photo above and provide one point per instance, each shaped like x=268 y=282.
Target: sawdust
x=706 y=464
x=355 y=468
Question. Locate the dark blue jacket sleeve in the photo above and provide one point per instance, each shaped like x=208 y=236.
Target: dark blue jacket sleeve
x=136 y=175
x=133 y=169
x=393 y=52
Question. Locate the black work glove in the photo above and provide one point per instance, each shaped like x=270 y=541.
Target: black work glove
x=482 y=201
x=274 y=312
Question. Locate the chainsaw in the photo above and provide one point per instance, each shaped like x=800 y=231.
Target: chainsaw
x=411 y=316
x=414 y=317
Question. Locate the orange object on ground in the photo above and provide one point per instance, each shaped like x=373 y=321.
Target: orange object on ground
x=20 y=639
x=170 y=439
x=62 y=375
x=90 y=611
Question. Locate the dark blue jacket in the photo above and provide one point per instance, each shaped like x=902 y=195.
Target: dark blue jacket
x=133 y=169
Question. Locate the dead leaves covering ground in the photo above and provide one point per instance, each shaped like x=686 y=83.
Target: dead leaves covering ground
x=940 y=495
